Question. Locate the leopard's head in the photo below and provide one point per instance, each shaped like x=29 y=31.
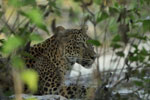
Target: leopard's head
x=75 y=48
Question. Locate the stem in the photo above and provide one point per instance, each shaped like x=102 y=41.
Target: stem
x=17 y=84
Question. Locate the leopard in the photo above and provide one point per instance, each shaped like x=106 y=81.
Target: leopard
x=56 y=55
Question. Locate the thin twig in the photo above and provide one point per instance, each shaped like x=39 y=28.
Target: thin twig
x=10 y=29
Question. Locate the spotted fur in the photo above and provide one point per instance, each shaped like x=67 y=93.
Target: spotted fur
x=56 y=55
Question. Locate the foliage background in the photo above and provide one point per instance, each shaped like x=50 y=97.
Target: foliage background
x=120 y=29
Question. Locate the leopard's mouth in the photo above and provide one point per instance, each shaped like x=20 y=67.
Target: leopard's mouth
x=86 y=63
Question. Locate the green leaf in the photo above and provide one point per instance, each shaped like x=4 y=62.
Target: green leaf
x=135 y=46
x=11 y=44
x=120 y=53
x=146 y=25
x=102 y=17
x=29 y=2
x=147 y=80
x=57 y=12
x=138 y=36
x=138 y=83
x=115 y=45
x=30 y=77
x=1 y=14
x=133 y=58
x=52 y=4
x=98 y=1
x=17 y=62
x=4 y=29
x=116 y=5
x=19 y=3
x=0 y=50
x=133 y=35
x=14 y=3
x=141 y=58
x=94 y=42
x=35 y=17
x=113 y=26
x=35 y=37
x=113 y=10
x=116 y=38
x=2 y=41
x=142 y=37
x=32 y=98
x=55 y=7
x=144 y=52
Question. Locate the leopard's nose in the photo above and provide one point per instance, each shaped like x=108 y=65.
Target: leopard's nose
x=94 y=57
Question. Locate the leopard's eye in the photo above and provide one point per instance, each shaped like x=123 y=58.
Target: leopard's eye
x=85 y=44
x=81 y=44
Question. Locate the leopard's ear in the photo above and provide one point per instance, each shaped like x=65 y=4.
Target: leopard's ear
x=84 y=28
x=60 y=28
x=59 y=31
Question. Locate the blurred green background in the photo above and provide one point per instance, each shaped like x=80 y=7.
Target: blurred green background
x=119 y=28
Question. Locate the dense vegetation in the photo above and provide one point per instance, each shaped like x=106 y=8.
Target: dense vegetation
x=119 y=27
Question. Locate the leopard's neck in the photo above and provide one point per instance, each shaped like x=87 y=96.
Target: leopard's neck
x=55 y=53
